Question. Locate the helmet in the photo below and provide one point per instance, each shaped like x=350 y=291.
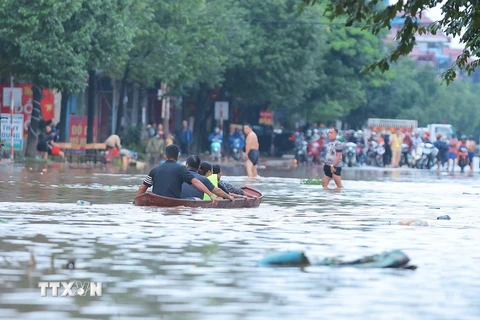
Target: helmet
x=470 y=138
x=373 y=134
x=315 y=131
x=217 y=130
x=359 y=132
x=309 y=132
x=464 y=137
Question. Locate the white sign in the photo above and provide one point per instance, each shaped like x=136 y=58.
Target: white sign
x=71 y=289
x=17 y=131
x=17 y=96
x=221 y=110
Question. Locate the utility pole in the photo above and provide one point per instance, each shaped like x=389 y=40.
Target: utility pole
x=11 y=118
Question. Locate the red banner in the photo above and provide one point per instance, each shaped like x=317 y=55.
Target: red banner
x=266 y=117
x=78 y=130
x=23 y=103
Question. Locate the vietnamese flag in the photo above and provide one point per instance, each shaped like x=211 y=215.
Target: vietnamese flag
x=47 y=105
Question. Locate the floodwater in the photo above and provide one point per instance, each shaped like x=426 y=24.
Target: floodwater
x=185 y=263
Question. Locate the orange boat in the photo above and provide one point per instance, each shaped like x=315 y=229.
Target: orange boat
x=152 y=200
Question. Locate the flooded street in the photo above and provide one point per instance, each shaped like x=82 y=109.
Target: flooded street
x=185 y=263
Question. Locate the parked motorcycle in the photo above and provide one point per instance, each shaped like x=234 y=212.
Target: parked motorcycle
x=361 y=157
x=406 y=157
x=462 y=157
x=417 y=156
x=350 y=154
x=380 y=151
x=236 y=149
x=372 y=153
x=216 y=148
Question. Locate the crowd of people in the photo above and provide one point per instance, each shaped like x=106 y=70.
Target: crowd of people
x=389 y=149
x=158 y=139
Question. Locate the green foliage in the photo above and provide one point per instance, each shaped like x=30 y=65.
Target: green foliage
x=277 y=67
x=187 y=42
x=459 y=18
x=313 y=181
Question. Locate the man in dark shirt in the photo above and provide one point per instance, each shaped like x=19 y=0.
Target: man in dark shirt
x=168 y=177
x=189 y=191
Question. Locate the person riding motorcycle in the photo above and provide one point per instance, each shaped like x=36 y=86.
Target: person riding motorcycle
x=215 y=132
x=408 y=140
x=236 y=137
x=442 y=154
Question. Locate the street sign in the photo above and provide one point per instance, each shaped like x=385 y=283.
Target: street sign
x=17 y=131
x=221 y=110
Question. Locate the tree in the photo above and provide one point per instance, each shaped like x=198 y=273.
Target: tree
x=35 y=46
x=342 y=87
x=114 y=26
x=188 y=45
x=460 y=18
x=277 y=67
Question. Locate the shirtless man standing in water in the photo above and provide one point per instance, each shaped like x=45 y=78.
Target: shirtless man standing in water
x=251 y=149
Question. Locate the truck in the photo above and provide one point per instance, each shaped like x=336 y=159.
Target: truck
x=378 y=125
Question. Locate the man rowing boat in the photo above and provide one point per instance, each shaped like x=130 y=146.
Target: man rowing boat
x=168 y=177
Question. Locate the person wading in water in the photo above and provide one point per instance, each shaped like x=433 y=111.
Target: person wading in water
x=251 y=150
x=333 y=160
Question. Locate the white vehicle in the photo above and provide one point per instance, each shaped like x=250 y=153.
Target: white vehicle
x=445 y=129
x=380 y=125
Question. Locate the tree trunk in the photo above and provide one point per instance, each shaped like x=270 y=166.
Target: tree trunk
x=135 y=101
x=199 y=131
x=31 y=148
x=64 y=117
x=121 y=104
x=91 y=110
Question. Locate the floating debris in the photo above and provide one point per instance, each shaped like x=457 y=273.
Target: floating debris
x=413 y=223
x=84 y=203
x=389 y=259
x=446 y=217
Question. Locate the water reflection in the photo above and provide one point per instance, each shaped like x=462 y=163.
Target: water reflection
x=187 y=263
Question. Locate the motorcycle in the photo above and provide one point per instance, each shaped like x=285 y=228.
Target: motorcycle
x=301 y=151
x=372 y=153
x=406 y=157
x=428 y=155
x=216 y=148
x=236 y=149
x=361 y=157
x=314 y=151
x=462 y=157
x=350 y=154
x=417 y=156
x=380 y=151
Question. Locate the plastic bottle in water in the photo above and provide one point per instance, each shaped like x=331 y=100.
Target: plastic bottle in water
x=84 y=203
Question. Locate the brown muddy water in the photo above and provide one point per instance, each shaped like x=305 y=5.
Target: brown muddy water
x=185 y=263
